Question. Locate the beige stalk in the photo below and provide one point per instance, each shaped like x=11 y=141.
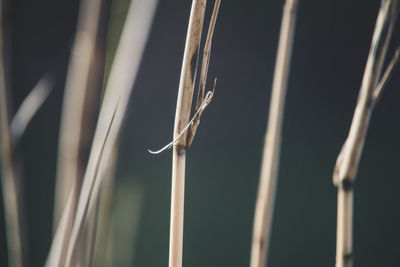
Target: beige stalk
x=9 y=175
x=270 y=160
x=348 y=160
x=185 y=130
x=77 y=98
x=113 y=109
x=184 y=103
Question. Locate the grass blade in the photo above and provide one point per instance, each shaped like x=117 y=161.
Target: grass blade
x=78 y=96
x=270 y=159
x=118 y=89
x=9 y=172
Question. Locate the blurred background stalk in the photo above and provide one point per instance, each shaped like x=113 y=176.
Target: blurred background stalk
x=348 y=161
x=270 y=160
x=82 y=92
x=12 y=194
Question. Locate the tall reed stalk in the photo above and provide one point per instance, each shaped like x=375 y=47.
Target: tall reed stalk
x=270 y=160
x=183 y=107
x=80 y=92
x=10 y=133
x=118 y=89
x=82 y=86
x=348 y=160
x=9 y=175
x=9 y=179
x=185 y=130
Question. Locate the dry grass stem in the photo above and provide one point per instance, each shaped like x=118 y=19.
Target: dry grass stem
x=60 y=240
x=102 y=255
x=386 y=76
x=92 y=232
x=9 y=172
x=10 y=136
x=30 y=106
x=349 y=157
x=184 y=129
x=10 y=183
x=201 y=96
x=184 y=103
x=203 y=99
x=77 y=97
x=118 y=89
x=270 y=161
x=196 y=118
x=71 y=142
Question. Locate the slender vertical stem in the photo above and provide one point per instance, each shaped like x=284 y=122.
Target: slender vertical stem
x=348 y=160
x=184 y=103
x=344 y=243
x=204 y=71
x=78 y=96
x=10 y=184
x=177 y=207
x=270 y=161
x=102 y=256
x=113 y=109
x=9 y=175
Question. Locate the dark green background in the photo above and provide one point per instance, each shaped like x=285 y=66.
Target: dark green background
x=330 y=50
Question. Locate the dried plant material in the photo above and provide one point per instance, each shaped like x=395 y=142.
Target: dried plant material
x=58 y=249
x=10 y=136
x=196 y=118
x=59 y=240
x=202 y=101
x=386 y=76
x=349 y=157
x=113 y=109
x=78 y=96
x=10 y=182
x=182 y=114
x=184 y=129
x=103 y=246
x=270 y=160
x=30 y=106
x=203 y=73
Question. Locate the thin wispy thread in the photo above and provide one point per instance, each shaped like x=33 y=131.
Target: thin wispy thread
x=207 y=100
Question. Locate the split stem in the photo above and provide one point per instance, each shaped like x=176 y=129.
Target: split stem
x=349 y=157
x=182 y=115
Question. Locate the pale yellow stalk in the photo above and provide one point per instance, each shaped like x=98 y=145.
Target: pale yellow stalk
x=77 y=98
x=182 y=115
x=9 y=175
x=270 y=160
x=349 y=157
